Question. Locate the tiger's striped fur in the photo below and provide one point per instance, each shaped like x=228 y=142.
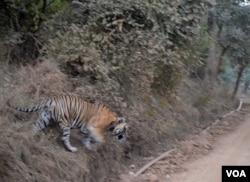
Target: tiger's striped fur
x=74 y=112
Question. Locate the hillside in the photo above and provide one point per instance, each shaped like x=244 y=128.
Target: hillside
x=134 y=57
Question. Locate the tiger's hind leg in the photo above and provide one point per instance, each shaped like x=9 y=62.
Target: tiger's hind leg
x=66 y=136
x=43 y=120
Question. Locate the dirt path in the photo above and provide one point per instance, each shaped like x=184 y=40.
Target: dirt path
x=230 y=149
x=200 y=157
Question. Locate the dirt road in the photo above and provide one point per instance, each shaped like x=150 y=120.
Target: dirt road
x=230 y=149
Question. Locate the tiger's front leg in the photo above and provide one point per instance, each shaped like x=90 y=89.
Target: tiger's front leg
x=90 y=137
x=96 y=135
x=66 y=136
x=86 y=138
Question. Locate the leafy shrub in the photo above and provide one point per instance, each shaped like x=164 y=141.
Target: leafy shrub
x=134 y=44
x=27 y=15
x=203 y=100
x=20 y=20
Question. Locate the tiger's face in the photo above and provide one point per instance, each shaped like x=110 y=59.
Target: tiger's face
x=119 y=129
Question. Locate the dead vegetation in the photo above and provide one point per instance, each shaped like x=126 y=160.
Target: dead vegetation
x=129 y=59
x=42 y=157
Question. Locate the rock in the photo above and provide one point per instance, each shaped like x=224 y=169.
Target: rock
x=132 y=166
x=131 y=173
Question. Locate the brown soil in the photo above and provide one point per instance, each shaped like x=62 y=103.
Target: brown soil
x=230 y=149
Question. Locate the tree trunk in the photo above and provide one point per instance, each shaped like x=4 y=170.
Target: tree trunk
x=211 y=68
x=223 y=51
x=212 y=62
x=236 y=87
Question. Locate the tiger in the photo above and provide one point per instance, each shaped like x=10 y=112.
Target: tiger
x=71 y=112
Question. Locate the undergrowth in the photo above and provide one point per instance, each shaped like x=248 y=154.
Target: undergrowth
x=153 y=123
x=127 y=54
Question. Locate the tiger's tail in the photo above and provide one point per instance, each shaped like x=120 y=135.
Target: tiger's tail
x=26 y=109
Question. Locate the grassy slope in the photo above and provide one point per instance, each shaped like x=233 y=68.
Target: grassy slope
x=42 y=157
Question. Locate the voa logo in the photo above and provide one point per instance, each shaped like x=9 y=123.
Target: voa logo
x=236 y=173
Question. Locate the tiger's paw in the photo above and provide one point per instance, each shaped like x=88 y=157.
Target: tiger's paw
x=86 y=143
x=73 y=149
x=91 y=147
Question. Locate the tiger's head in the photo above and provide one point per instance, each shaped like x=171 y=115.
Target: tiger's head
x=119 y=129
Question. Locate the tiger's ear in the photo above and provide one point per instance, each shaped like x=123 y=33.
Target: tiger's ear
x=120 y=120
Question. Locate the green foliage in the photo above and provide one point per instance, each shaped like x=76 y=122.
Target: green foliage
x=203 y=100
x=137 y=42
x=166 y=78
x=27 y=15
x=234 y=36
x=232 y=22
x=151 y=113
x=20 y=21
x=195 y=56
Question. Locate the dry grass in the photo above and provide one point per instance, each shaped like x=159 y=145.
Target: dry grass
x=24 y=157
x=42 y=157
x=43 y=80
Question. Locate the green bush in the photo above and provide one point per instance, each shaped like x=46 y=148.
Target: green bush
x=134 y=43
x=20 y=21
x=27 y=15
